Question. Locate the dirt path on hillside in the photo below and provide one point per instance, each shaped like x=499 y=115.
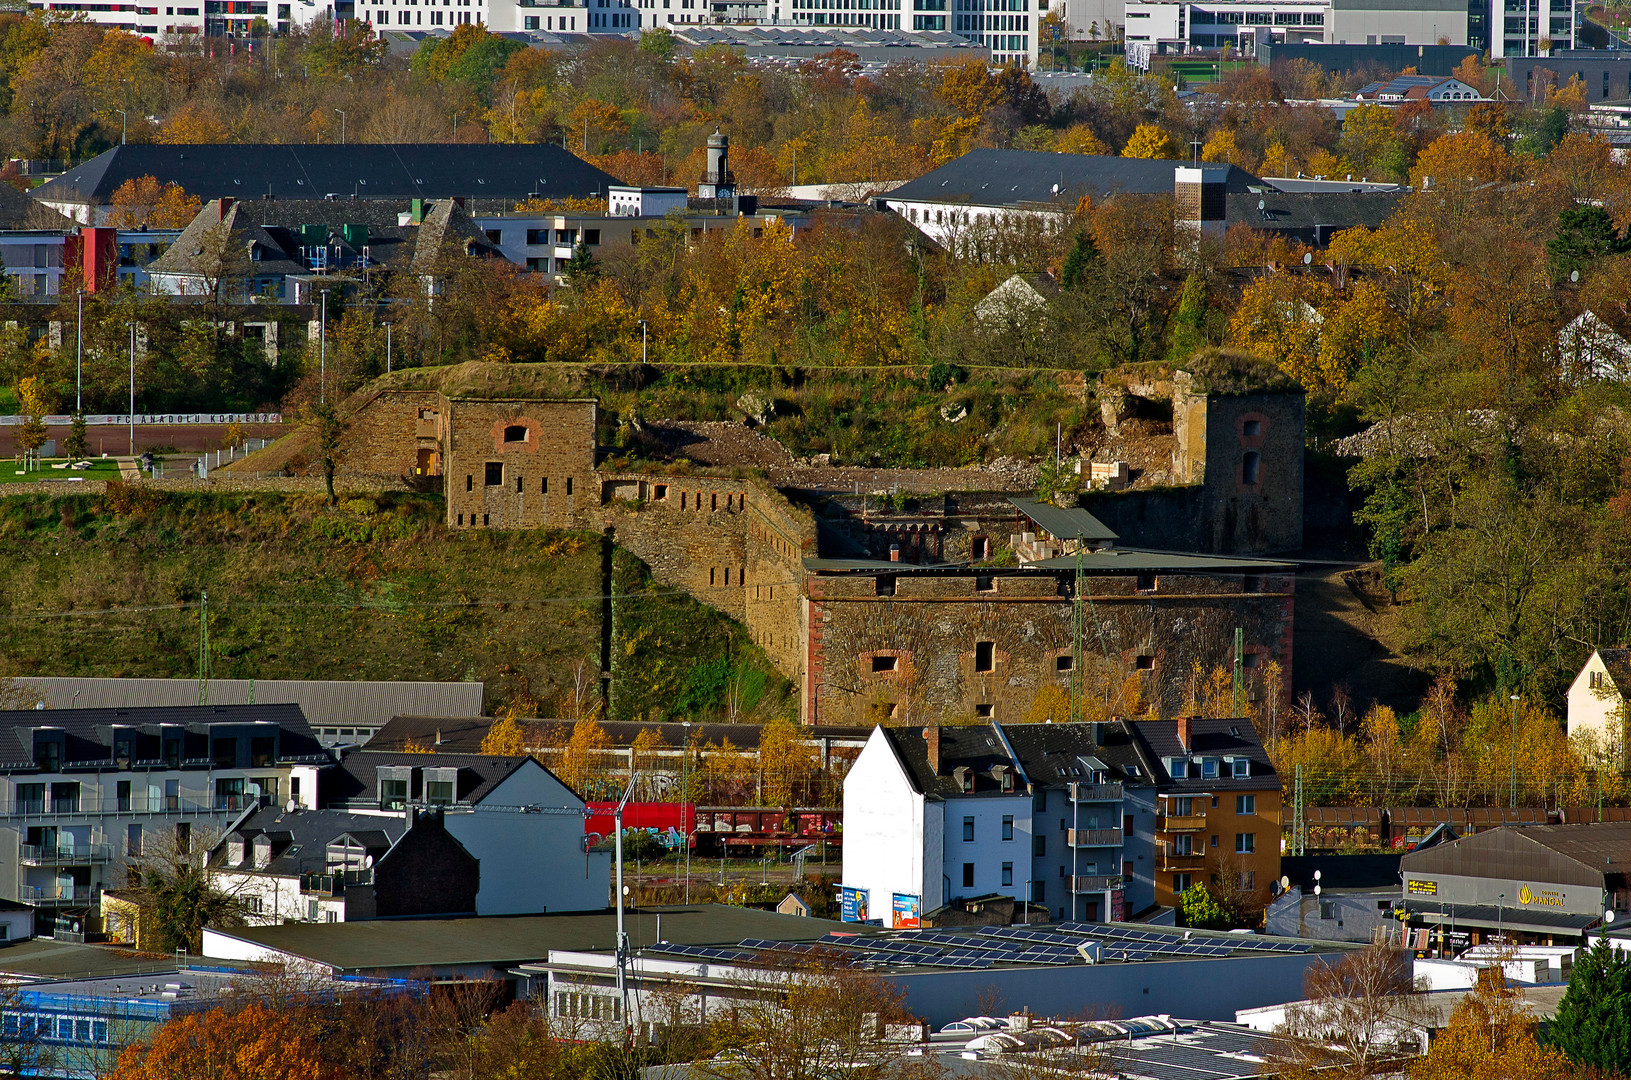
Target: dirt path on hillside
x=1341 y=639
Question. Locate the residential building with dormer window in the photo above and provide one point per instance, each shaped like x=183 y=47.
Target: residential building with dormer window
x=84 y=792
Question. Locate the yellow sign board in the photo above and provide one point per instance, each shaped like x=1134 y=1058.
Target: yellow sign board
x=1428 y=888
x=1539 y=897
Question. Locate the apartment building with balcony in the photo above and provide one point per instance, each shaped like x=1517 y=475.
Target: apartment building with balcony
x=1218 y=806
x=84 y=791
x=1086 y=821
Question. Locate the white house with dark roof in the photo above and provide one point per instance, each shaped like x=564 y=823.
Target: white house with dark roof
x=515 y=817
x=1094 y=822
x=1597 y=701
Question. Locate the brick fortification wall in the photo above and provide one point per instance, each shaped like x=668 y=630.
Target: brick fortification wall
x=519 y=464
x=379 y=438
x=927 y=637
x=736 y=545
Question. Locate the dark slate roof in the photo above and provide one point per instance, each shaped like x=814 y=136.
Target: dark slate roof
x=300 y=839
x=1618 y=662
x=1064 y=524
x=975 y=746
x=20 y=210
x=1048 y=755
x=89 y=732
x=1301 y=211
x=507 y=171
x=464 y=734
x=1211 y=738
x=1012 y=177
x=1054 y=755
x=356 y=777
x=1129 y=560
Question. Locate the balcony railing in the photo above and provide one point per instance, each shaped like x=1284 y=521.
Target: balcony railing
x=1169 y=859
x=93 y=801
x=1094 y=883
x=336 y=883
x=55 y=855
x=1093 y=837
x=46 y=895
x=1180 y=822
x=1098 y=793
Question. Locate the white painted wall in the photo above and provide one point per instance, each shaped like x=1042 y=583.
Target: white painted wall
x=891 y=837
x=1592 y=712
x=280 y=899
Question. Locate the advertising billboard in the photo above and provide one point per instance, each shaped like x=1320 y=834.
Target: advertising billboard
x=852 y=904
x=907 y=909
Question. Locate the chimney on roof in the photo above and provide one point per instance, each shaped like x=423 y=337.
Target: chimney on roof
x=1184 y=733
x=438 y=736
x=222 y=205
x=894 y=553
x=931 y=740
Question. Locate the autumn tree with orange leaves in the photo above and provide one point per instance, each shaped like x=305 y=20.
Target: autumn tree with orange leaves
x=256 y=1042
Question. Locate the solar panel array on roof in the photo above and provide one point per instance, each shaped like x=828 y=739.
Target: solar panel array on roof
x=983 y=947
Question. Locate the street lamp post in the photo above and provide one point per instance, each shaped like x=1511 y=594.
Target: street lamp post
x=342 y=125
x=79 y=357
x=132 y=417
x=387 y=348
x=642 y=341
x=124 y=124
x=1500 y=909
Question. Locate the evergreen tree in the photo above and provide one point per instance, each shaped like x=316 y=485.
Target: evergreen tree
x=582 y=269
x=1084 y=255
x=1189 y=321
x=1584 y=235
x=1590 y=1025
x=77 y=445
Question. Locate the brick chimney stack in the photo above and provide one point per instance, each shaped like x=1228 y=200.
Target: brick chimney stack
x=931 y=739
x=1184 y=733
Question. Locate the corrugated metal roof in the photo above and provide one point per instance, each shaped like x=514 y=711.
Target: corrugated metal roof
x=1063 y=524
x=326 y=702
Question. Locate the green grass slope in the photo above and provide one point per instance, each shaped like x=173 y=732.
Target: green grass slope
x=113 y=585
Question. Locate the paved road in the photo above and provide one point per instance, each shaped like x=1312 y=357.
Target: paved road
x=116 y=440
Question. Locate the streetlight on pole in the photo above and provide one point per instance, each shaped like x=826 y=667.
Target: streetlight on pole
x=342 y=125
x=124 y=124
x=622 y=938
x=642 y=341
x=132 y=417
x=387 y=348
x=79 y=356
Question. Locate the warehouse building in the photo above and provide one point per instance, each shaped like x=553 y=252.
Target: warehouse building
x=1543 y=884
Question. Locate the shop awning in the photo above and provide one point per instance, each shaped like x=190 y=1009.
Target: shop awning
x=1489 y=917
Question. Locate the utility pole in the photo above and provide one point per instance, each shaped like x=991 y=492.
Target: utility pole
x=322 y=352
x=1240 y=673
x=642 y=341
x=1514 y=751
x=342 y=125
x=1298 y=841
x=622 y=937
x=1076 y=657
x=685 y=799
x=387 y=348
x=204 y=648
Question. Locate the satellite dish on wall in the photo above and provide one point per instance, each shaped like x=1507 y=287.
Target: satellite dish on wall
x=1285 y=883
x=1608 y=917
x=291 y=806
x=367 y=862
x=1308 y=258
